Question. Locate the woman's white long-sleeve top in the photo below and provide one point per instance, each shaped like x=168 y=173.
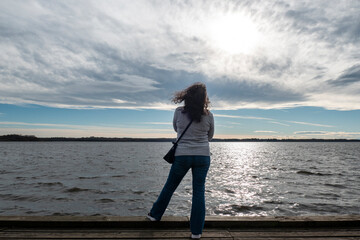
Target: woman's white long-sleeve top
x=196 y=139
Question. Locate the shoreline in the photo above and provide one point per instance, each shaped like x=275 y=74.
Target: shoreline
x=31 y=138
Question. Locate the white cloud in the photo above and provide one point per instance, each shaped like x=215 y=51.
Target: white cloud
x=241 y=117
x=224 y=126
x=42 y=124
x=274 y=122
x=158 y=123
x=55 y=132
x=73 y=130
x=312 y=124
x=264 y=131
x=234 y=123
x=311 y=132
x=56 y=53
x=279 y=123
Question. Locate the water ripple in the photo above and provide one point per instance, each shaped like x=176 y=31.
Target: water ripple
x=97 y=178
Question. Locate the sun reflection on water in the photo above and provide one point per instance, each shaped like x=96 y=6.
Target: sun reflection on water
x=241 y=178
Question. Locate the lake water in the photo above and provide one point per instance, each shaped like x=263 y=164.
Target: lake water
x=125 y=178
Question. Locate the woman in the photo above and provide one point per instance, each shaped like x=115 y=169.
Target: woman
x=192 y=152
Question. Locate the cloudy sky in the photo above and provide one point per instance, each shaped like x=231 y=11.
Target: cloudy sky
x=109 y=68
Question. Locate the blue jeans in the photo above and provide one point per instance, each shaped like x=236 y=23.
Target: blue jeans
x=199 y=166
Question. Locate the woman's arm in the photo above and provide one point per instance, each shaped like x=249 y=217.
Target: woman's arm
x=174 y=121
x=212 y=128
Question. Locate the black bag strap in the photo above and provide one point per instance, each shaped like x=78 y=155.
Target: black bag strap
x=182 y=134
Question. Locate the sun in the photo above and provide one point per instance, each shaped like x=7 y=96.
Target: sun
x=234 y=34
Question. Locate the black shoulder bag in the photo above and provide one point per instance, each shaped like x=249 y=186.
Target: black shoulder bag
x=170 y=156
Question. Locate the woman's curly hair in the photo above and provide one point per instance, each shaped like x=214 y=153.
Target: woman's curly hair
x=195 y=99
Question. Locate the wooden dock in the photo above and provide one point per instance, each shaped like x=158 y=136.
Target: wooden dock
x=216 y=227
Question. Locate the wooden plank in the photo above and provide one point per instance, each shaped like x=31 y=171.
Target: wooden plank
x=177 y=218
x=105 y=227
x=212 y=221
x=187 y=238
x=112 y=235
x=54 y=234
x=291 y=229
x=92 y=230
x=90 y=218
x=176 y=234
x=91 y=221
x=163 y=238
x=330 y=233
x=310 y=238
x=282 y=221
x=103 y=231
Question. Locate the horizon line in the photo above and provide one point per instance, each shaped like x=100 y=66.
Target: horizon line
x=17 y=137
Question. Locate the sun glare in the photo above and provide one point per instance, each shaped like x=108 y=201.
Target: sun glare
x=234 y=34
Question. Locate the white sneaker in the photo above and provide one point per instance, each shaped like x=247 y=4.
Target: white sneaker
x=194 y=236
x=151 y=218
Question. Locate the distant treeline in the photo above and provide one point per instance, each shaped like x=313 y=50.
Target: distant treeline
x=15 y=137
